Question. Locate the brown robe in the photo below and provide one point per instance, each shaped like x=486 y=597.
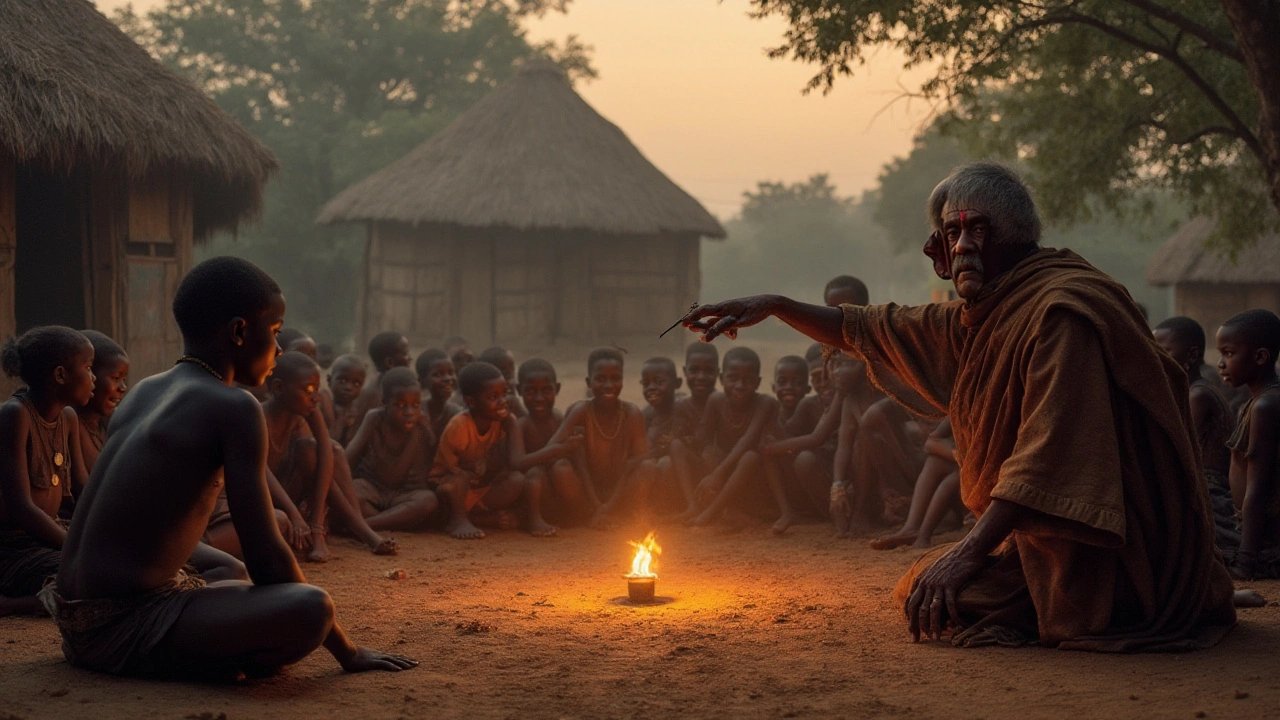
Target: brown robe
x=1061 y=402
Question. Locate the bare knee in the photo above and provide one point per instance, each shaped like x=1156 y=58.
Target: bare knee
x=282 y=522
x=424 y=500
x=311 y=609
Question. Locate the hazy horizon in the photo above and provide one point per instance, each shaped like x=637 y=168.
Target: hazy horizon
x=688 y=81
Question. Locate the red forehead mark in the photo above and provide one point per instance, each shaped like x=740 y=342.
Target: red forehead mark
x=961 y=217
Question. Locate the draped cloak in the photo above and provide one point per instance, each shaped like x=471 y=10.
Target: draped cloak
x=1061 y=402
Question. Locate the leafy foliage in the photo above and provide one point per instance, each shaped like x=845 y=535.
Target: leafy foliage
x=1101 y=100
x=338 y=89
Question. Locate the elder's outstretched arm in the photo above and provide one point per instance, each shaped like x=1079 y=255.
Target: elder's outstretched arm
x=820 y=323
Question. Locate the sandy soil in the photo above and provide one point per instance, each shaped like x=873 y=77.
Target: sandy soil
x=755 y=626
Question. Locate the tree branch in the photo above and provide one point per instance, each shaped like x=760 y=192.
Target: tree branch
x=1238 y=125
x=1223 y=46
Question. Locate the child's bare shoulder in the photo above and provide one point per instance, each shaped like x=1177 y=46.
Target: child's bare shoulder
x=1266 y=408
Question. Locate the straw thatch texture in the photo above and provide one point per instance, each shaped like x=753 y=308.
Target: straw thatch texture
x=530 y=155
x=1185 y=259
x=75 y=90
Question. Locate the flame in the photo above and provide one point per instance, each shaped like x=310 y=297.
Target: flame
x=642 y=563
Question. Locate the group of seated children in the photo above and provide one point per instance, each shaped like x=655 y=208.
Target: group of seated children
x=105 y=498
x=1240 y=455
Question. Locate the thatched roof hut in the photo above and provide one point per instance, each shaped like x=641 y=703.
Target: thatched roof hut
x=110 y=168
x=530 y=218
x=1210 y=286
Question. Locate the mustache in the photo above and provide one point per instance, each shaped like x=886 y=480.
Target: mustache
x=964 y=263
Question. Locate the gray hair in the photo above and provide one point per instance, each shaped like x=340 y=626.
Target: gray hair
x=995 y=190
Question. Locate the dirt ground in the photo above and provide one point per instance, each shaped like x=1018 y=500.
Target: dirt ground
x=754 y=626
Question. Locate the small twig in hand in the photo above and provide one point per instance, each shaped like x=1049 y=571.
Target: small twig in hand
x=692 y=307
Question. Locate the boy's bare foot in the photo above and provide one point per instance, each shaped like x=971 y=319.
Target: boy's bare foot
x=387 y=546
x=895 y=540
x=784 y=522
x=1248 y=599
x=506 y=520
x=542 y=528
x=464 y=530
x=319 y=552
x=703 y=520
x=924 y=542
x=600 y=521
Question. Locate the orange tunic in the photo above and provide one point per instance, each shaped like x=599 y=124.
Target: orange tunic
x=1060 y=401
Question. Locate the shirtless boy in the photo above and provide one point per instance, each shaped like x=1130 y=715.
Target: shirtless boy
x=436 y=375
x=1211 y=419
x=315 y=476
x=294 y=340
x=475 y=467
x=387 y=350
x=122 y=600
x=731 y=433
x=790 y=385
x=615 y=462
x=1249 y=344
x=675 y=462
x=391 y=456
x=111 y=371
x=346 y=381
x=41 y=456
x=552 y=465
x=502 y=359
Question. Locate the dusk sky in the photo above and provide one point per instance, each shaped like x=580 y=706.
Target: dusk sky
x=689 y=82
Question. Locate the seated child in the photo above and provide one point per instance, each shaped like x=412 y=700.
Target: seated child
x=475 y=466
x=1250 y=343
x=40 y=434
x=293 y=339
x=551 y=465
x=701 y=370
x=436 y=376
x=390 y=457
x=790 y=385
x=387 y=350
x=615 y=463
x=675 y=463
x=1211 y=419
x=937 y=492
x=122 y=600
x=325 y=356
x=110 y=370
x=732 y=431
x=502 y=359
x=459 y=351
x=315 y=475
x=346 y=381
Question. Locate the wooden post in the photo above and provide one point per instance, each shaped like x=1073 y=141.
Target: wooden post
x=108 y=232
x=8 y=247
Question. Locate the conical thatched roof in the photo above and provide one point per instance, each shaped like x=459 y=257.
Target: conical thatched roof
x=75 y=90
x=1185 y=259
x=530 y=155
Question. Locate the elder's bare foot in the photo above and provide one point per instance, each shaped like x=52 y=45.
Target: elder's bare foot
x=464 y=530
x=389 y=546
x=1248 y=599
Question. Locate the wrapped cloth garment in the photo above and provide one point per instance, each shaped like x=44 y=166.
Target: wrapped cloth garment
x=1062 y=403
x=117 y=635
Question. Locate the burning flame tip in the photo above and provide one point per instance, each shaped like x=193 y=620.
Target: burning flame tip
x=646 y=551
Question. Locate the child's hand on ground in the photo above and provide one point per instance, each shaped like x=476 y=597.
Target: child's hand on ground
x=368 y=659
x=299 y=534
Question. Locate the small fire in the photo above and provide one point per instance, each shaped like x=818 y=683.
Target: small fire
x=642 y=563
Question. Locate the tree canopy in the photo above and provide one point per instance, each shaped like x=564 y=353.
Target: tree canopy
x=338 y=89
x=1101 y=100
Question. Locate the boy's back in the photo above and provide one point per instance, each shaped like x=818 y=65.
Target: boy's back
x=170 y=438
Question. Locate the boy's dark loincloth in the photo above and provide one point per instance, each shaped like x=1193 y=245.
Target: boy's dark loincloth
x=24 y=564
x=117 y=635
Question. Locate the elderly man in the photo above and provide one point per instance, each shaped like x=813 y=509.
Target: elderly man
x=1071 y=427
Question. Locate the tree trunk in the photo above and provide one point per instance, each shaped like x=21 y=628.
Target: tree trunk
x=1256 y=26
